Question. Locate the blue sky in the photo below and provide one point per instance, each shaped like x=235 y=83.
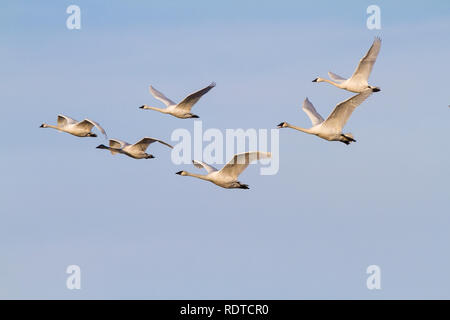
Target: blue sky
x=137 y=230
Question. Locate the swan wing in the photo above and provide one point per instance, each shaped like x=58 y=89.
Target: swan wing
x=240 y=162
x=200 y=165
x=117 y=144
x=161 y=97
x=336 y=77
x=63 y=121
x=188 y=102
x=365 y=65
x=87 y=125
x=339 y=116
x=309 y=109
x=143 y=144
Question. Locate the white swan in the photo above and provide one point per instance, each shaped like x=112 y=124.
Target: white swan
x=331 y=128
x=79 y=129
x=358 y=81
x=180 y=110
x=227 y=176
x=136 y=151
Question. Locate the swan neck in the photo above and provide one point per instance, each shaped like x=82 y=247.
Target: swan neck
x=200 y=176
x=162 y=110
x=54 y=127
x=299 y=128
x=331 y=82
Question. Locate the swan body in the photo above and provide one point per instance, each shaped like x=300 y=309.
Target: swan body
x=180 y=110
x=227 y=176
x=136 y=151
x=358 y=82
x=331 y=128
x=74 y=127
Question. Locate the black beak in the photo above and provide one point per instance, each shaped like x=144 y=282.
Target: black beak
x=195 y=116
x=179 y=172
x=42 y=125
x=376 y=89
x=315 y=80
x=141 y=107
x=100 y=146
x=150 y=157
x=93 y=135
x=280 y=125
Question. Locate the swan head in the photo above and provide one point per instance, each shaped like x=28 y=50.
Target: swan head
x=90 y=134
x=182 y=173
x=282 y=125
x=375 y=89
x=318 y=80
x=149 y=156
x=43 y=125
x=102 y=146
x=143 y=107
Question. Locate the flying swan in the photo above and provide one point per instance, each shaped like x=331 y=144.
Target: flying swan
x=181 y=110
x=331 y=128
x=227 y=176
x=358 y=81
x=136 y=151
x=79 y=129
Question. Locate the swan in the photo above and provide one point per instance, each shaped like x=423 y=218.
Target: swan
x=331 y=128
x=79 y=129
x=180 y=110
x=227 y=176
x=136 y=151
x=358 y=81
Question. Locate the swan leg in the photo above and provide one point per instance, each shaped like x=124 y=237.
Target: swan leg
x=243 y=186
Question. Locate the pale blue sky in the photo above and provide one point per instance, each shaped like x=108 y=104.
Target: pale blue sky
x=137 y=230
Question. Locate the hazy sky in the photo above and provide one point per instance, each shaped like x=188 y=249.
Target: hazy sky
x=137 y=230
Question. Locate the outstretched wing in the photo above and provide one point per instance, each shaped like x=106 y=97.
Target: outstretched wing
x=161 y=97
x=143 y=144
x=336 y=77
x=117 y=144
x=240 y=162
x=365 y=65
x=207 y=167
x=193 y=98
x=337 y=119
x=87 y=125
x=64 y=120
x=309 y=109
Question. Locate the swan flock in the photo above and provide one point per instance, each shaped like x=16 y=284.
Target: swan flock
x=329 y=129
